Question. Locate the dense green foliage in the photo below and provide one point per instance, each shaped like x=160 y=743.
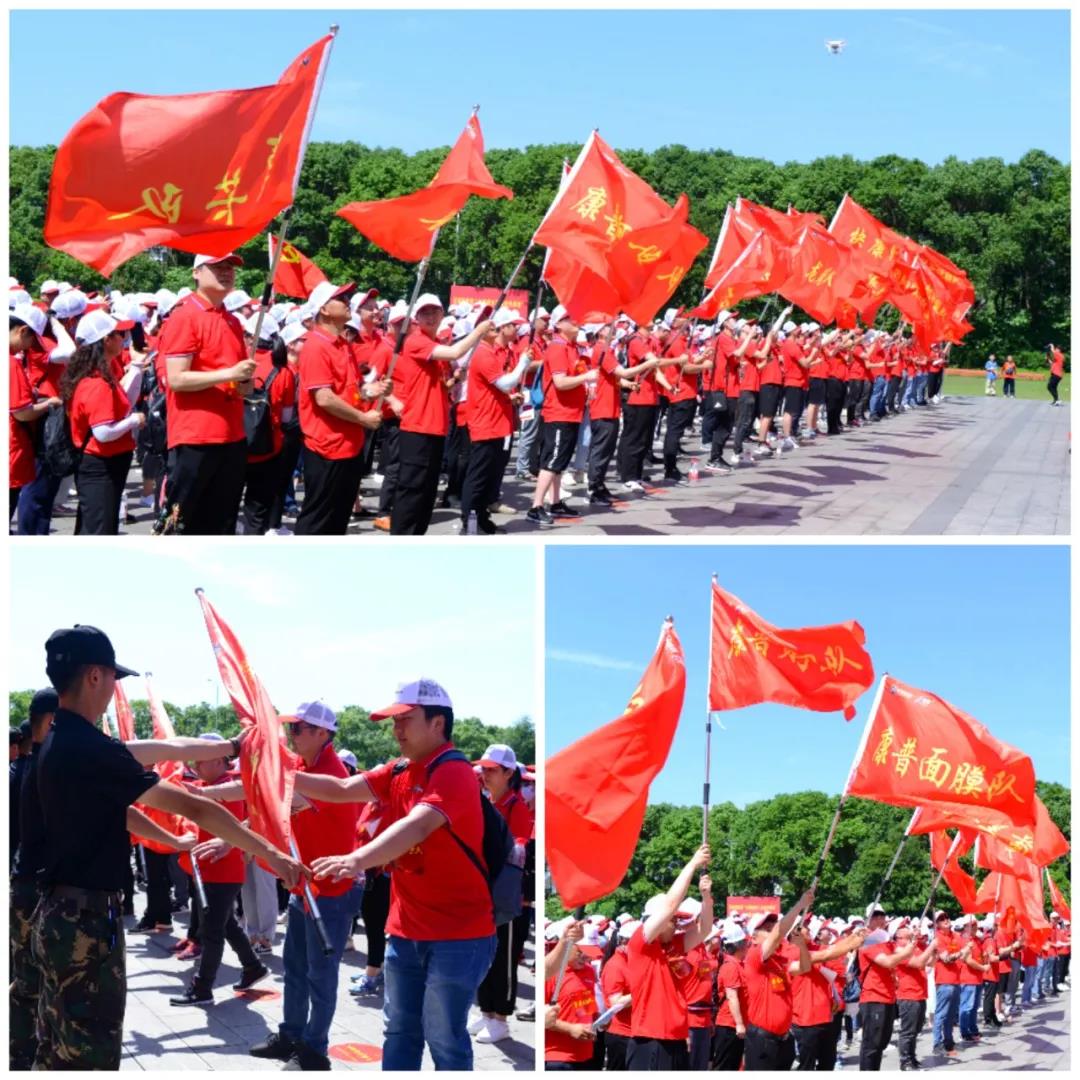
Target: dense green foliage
x=1007 y=225
x=371 y=743
x=775 y=844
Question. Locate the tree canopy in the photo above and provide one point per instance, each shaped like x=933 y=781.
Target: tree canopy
x=1006 y=224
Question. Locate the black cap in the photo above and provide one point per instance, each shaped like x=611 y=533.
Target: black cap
x=44 y=702
x=14 y=736
x=82 y=645
x=25 y=731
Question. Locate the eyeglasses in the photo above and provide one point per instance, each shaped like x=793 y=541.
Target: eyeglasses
x=300 y=726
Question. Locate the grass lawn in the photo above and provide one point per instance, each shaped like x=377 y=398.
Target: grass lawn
x=1025 y=388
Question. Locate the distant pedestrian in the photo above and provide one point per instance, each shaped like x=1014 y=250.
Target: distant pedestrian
x=1008 y=377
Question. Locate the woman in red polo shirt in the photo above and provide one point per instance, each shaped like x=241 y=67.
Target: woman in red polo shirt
x=103 y=421
x=1057 y=371
x=615 y=983
x=568 y=1035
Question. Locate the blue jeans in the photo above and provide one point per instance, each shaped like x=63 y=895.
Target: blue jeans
x=36 y=503
x=1030 y=978
x=946 y=1012
x=429 y=988
x=907 y=390
x=580 y=460
x=969 y=1009
x=1046 y=976
x=920 y=388
x=877 y=396
x=311 y=979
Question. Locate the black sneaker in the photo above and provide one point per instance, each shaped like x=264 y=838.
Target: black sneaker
x=599 y=498
x=304 y=1059
x=279 y=1047
x=144 y=927
x=489 y=528
x=538 y=515
x=191 y=996
x=249 y=976
x=678 y=479
x=561 y=510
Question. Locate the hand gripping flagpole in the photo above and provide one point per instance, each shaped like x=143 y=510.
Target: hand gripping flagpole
x=200 y=889
x=941 y=874
x=579 y=914
x=313 y=907
x=708 y=730
x=851 y=772
x=896 y=856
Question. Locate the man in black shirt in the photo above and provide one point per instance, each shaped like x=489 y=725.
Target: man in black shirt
x=86 y=784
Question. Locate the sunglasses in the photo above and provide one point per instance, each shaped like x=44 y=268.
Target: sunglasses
x=300 y=726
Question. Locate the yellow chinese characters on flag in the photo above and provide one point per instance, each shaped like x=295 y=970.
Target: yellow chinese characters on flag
x=920 y=750
x=202 y=173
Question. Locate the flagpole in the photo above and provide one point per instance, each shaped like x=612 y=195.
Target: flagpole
x=941 y=874
x=851 y=772
x=313 y=907
x=200 y=890
x=708 y=726
x=579 y=914
x=896 y=856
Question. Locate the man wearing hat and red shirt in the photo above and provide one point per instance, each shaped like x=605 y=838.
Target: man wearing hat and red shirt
x=441 y=929
x=493 y=376
x=331 y=420
x=951 y=953
x=878 y=960
x=911 y=991
x=208 y=374
x=426 y=417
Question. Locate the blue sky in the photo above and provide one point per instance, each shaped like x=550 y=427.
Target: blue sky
x=986 y=628
x=327 y=621
x=920 y=83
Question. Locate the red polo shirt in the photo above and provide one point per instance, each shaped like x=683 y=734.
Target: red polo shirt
x=326 y=361
x=771 y=374
x=911 y=983
x=794 y=373
x=20 y=440
x=563 y=406
x=696 y=985
x=215 y=340
x=1057 y=363
x=576 y=1005
x=968 y=975
x=730 y=977
x=605 y=402
x=659 y=1007
x=517 y=815
x=947 y=974
x=1003 y=939
x=374 y=352
x=44 y=376
x=615 y=981
x=768 y=987
x=878 y=983
x=749 y=373
x=646 y=392
x=811 y=998
x=436 y=892
x=229 y=870
x=491 y=413
x=427 y=401
x=96 y=402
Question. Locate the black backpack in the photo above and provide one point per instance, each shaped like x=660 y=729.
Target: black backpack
x=502 y=877
x=258 y=423
x=59 y=456
x=156 y=438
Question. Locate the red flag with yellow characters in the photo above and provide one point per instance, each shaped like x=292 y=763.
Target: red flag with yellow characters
x=823 y=668
x=198 y=172
x=296 y=274
x=760 y=268
x=405 y=227
x=919 y=750
x=822 y=275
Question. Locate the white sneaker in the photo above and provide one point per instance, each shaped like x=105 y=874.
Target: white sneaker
x=495 y=1032
x=762 y=452
x=633 y=485
x=477 y=1024
x=789 y=444
x=746 y=458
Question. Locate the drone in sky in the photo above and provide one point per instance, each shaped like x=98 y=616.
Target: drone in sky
x=835 y=47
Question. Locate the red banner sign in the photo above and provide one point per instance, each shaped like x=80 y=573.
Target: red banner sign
x=516 y=299
x=752 y=905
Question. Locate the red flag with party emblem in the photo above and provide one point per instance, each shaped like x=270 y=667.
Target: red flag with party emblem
x=197 y=172
x=405 y=227
x=823 y=668
x=296 y=275
x=597 y=788
x=947 y=851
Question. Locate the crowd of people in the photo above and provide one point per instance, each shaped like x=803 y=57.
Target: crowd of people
x=681 y=989
x=244 y=420
x=434 y=854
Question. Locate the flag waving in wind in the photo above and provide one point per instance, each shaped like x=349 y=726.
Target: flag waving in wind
x=296 y=274
x=597 y=788
x=198 y=172
x=171 y=772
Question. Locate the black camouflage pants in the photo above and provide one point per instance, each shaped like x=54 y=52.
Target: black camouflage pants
x=80 y=952
x=25 y=977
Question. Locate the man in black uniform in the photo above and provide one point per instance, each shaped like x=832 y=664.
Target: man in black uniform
x=86 y=784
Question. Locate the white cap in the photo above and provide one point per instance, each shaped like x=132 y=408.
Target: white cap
x=418 y=692
x=49 y=286
x=31 y=316
x=98 y=325
x=293 y=332
x=894 y=925
x=654 y=904
x=460 y=309
x=355 y=324
x=624 y=917
x=759 y=918
x=733 y=933
x=206 y=260
x=268 y=329
x=237 y=299
x=70 y=304
x=315 y=713
x=361 y=297
x=17 y=297
x=500 y=754
x=133 y=313
x=448 y=323
x=670 y=316
x=397 y=312
x=182 y=292
x=558 y=315
x=582 y=338
x=591 y=936
x=506 y=316
x=723 y=317
x=628 y=928
x=539 y=313
x=461 y=328
x=789 y=327
x=348 y=757
x=874 y=909
x=323 y=293
x=689 y=909
x=428 y=300
x=279 y=311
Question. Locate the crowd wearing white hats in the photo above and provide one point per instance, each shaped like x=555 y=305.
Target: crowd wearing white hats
x=682 y=989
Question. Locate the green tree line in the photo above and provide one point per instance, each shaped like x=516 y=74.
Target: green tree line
x=372 y=743
x=772 y=847
x=1006 y=224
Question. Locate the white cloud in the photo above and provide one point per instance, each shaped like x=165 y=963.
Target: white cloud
x=585 y=659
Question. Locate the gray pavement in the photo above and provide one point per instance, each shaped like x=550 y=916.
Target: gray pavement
x=972 y=465
x=159 y=1036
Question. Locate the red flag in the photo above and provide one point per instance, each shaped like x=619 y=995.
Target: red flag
x=105 y=724
x=824 y=668
x=1003 y=893
x=761 y=267
x=1057 y=901
x=125 y=718
x=197 y=172
x=822 y=275
x=955 y=279
x=169 y=771
x=992 y=854
x=959 y=880
x=784 y=228
x=597 y=788
x=405 y=227
x=735 y=233
x=919 y=750
x=296 y=274
x=267 y=767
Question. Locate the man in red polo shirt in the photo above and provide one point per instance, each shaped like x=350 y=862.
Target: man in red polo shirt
x=951 y=953
x=911 y=991
x=769 y=1044
x=1057 y=371
x=797 y=352
x=494 y=375
x=441 y=930
x=878 y=960
x=331 y=420
x=426 y=417
x=639 y=412
x=681 y=374
x=658 y=1023
x=208 y=374
x=730 y=1033
x=770 y=382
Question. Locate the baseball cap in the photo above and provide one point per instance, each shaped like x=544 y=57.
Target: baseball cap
x=507 y=316
x=44 y=701
x=733 y=933
x=653 y=905
x=349 y=758
x=410 y=694
x=70 y=647
x=49 y=286
x=208 y=260
x=428 y=300
x=30 y=316
x=17 y=297
x=873 y=909
x=939 y=915
x=315 y=713
x=627 y=928
x=361 y=297
x=758 y=921
x=559 y=314
x=267 y=330
x=324 y=292
x=69 y=304
x=500 y=754
x=95 y=326
x=671 y=315
x=789 y=327
x=293 y=332
x=539 y=313
x=397 y=313
x=237 y=299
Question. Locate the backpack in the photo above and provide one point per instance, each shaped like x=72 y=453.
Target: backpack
x=157 y=434
x=503 y=879
x=59 y=457
x=258 y=423
x=536 y=391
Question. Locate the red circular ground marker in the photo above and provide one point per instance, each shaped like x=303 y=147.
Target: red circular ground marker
x=254 y=994
x=361 y=1052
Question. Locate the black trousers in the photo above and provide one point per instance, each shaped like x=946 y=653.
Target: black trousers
x=679 y=416
x=1008 y=387
x=390 y=465
x=716 y=421
x=290 y=455
x=264 y=489
x=933 y=385
x=158 y=888
x=835 y=391
x=990 y=990
x=480 y=488
x=498 y=992
x=744 y=419
x=912 y=1019
x=375 y=909
x=816 y=1047
x=765 y=1051
x=657 y=1055
x=727 y=1050
x=700 y=1045
x=615 y=1047
x=100 y=483
x=1052 y=385
x=890 y=393
x=604 y=438
x=535 y=445
x=216 y=926
x=877 y=1028
x=330 y=490
x=206 y=482
x=418 y=482
x=636 y=439
x=457 y=449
